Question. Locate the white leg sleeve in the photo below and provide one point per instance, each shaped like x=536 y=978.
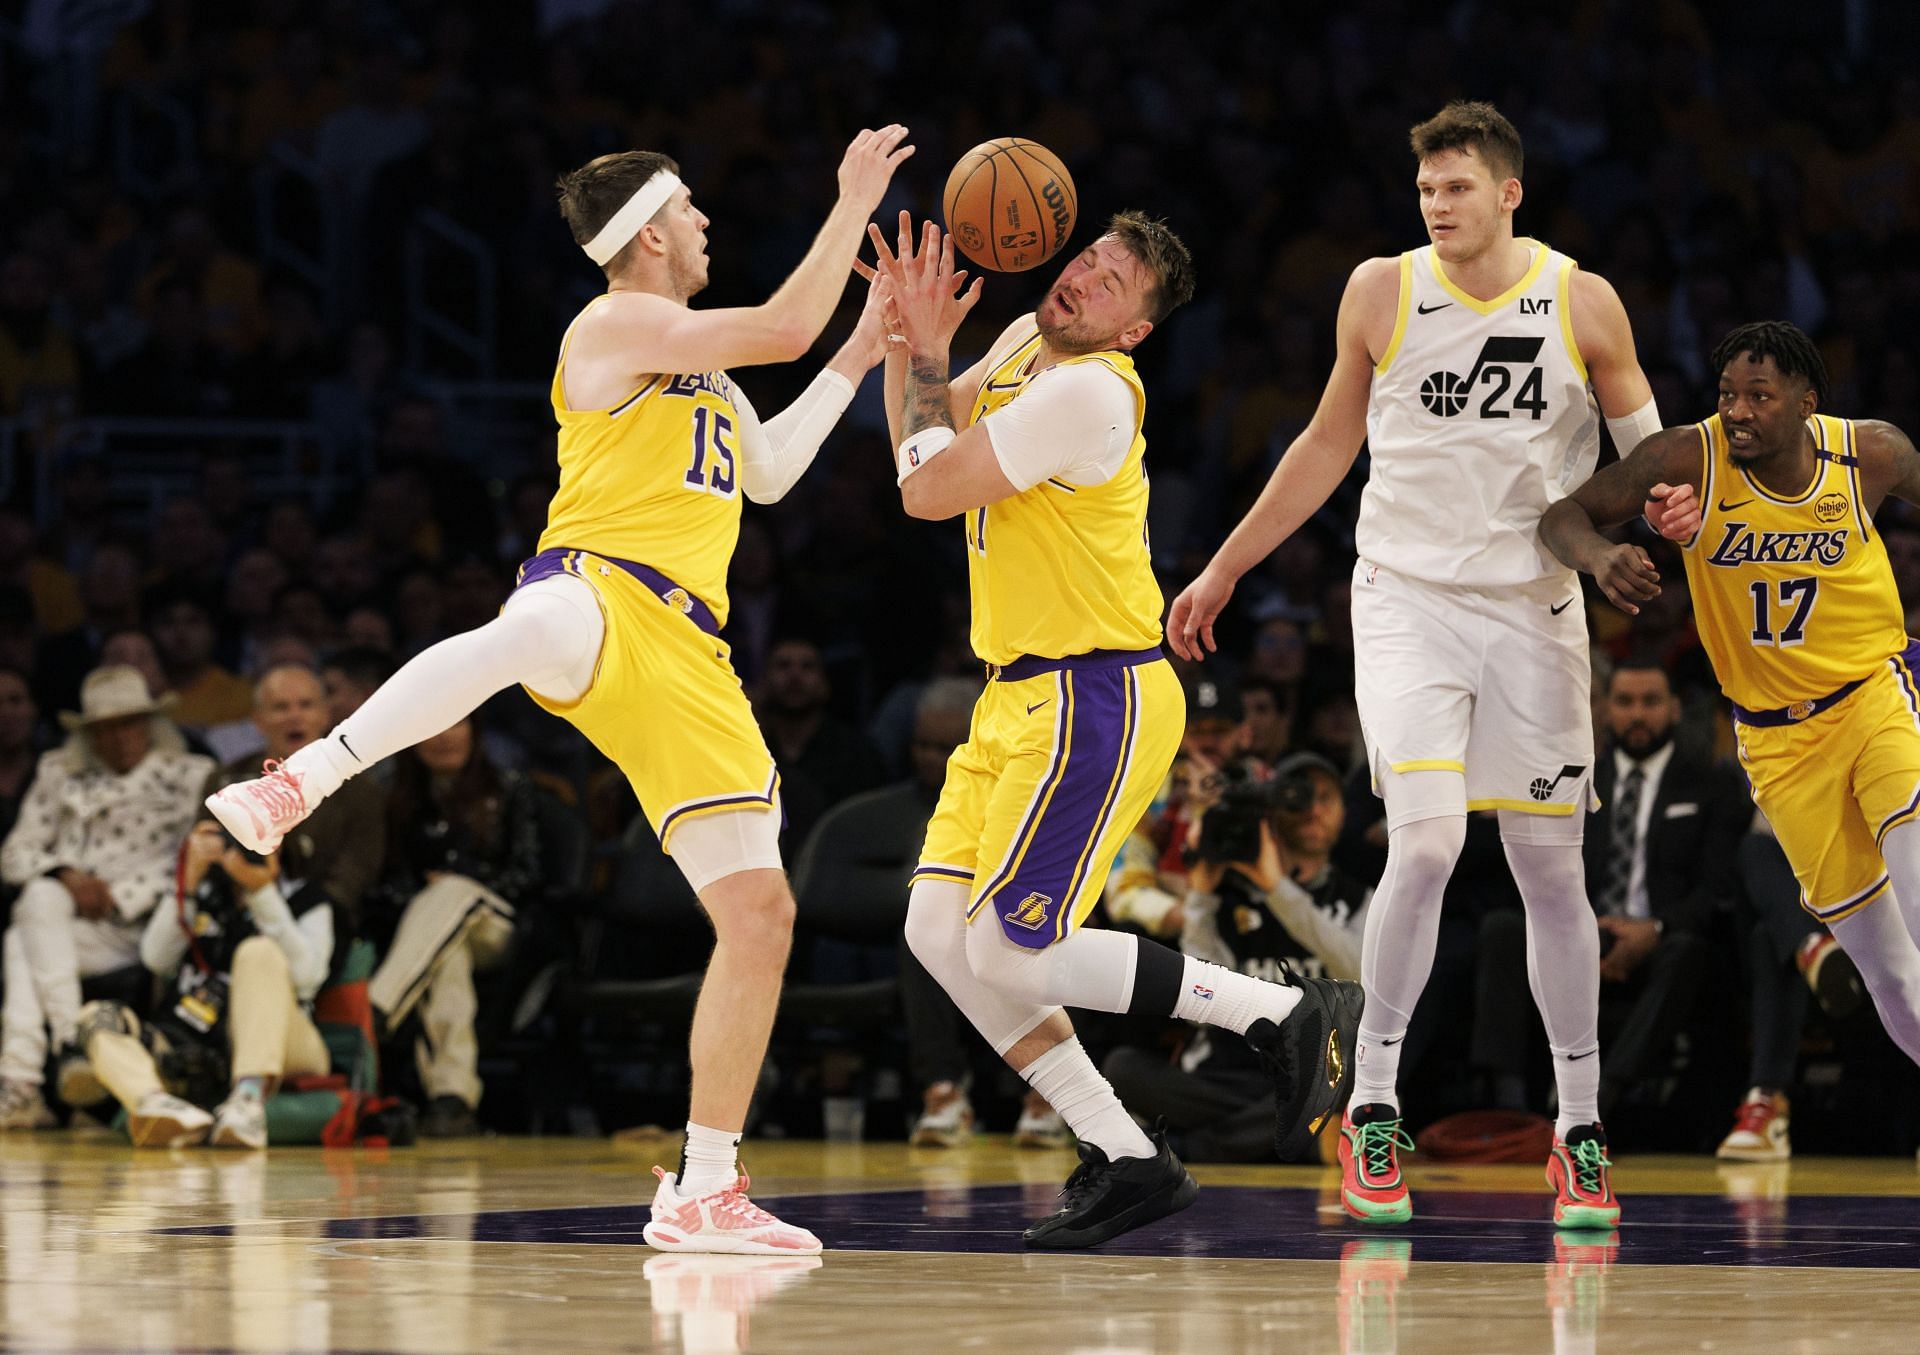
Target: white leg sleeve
x=937 y=934
x=1877 y=941
x=1396 y=951
x=547 y=638
x=1563 y=968
x=710 y=847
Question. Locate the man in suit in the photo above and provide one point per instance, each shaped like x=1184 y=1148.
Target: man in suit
x=1661 y=858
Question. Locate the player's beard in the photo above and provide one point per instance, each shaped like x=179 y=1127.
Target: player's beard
x=1070 y=339
x=687 y=272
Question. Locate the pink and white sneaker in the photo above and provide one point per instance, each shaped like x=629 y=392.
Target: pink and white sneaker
x=722 y=1220
x=262 y=811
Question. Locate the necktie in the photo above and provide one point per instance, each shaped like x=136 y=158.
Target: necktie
x=1626 y=838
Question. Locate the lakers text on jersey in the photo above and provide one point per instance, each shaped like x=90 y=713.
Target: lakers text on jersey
x=1797 y=609
x=1480 y=417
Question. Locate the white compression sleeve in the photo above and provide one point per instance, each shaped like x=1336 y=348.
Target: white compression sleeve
x=775 y=454
x=1630 y=430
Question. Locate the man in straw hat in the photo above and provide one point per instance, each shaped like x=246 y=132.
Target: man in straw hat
x=93 y=853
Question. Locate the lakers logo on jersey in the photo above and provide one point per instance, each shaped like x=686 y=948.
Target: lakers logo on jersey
x=677 y=599
x=1031 y=912
x=1792 y=592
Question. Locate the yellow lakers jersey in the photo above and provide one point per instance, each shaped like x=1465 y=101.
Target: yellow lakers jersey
x=653 y=479
x=1062 y=569
x=1793 y=596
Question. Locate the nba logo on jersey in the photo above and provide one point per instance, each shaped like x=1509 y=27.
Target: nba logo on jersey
x=1031 y=912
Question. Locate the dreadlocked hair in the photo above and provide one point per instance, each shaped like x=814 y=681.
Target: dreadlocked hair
x=1789 y=347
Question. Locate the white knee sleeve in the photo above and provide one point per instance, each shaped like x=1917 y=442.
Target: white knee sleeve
x=937 y=935
x=710 y=847
x=1403 y=921
x=1092 y=970
x=1877 y=941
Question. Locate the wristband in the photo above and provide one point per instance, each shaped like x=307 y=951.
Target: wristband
x=921 y=448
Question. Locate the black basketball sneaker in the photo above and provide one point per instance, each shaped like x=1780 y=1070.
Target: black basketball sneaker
x=1310 y=1056
x=1105 y=1198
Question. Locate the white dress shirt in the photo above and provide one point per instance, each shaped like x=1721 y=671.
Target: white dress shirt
x=1651 y=770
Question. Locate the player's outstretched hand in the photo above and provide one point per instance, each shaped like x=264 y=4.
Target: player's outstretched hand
x=1627 y=576
x=873 y=331
x=1673 y=511
x=929 y=296
x=1190 y=622
x=868 y=166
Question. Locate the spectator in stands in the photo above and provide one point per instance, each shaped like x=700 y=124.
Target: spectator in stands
x=189 y=549
x=205 y=693
x=338 y=853
x=253 y=581
x=822 y=758
x=1269 y=711
x=19 y=746
x=463 y=859
x=1262 y=895
x=242 y=958
x=92 y=854
x=51 y=586
x=1661 y=856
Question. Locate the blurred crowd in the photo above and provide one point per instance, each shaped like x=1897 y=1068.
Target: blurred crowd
x=158 y=259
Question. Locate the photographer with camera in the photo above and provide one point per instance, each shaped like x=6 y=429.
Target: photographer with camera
x=244 y=961
x=1262 y=893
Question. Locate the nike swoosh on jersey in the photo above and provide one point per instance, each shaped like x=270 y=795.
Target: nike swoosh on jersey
x=1726 y=507
x=1562 y=607
x=1429 y=310
x=1036 y=705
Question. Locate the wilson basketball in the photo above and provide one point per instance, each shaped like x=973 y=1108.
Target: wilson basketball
x=1010 y=204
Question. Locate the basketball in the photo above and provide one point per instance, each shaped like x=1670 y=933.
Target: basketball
x=1010 y=204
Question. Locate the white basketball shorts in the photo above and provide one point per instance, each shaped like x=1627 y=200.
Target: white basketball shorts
x=1489 y=683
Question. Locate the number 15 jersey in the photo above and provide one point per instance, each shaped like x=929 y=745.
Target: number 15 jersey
x=1480 y=417
x=652 y=479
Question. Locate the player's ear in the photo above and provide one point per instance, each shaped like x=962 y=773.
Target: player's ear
x=1131 y=336
x=1510 y=195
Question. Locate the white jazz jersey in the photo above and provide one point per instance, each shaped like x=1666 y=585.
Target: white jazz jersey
x=1480 y=418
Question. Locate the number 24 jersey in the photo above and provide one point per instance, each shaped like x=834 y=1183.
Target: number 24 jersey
x=1480 y=417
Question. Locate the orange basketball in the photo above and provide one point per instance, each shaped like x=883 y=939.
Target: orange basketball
x=1010 y=204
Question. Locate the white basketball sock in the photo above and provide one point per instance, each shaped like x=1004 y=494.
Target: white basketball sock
x=708 y=1160
x=1086 y=1101
x=1219 y=996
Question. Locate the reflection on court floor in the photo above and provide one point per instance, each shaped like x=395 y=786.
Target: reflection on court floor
x=511 y=1245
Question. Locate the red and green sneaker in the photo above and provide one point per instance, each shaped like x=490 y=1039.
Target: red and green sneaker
x=1577 y=1171
x=1371 y=1187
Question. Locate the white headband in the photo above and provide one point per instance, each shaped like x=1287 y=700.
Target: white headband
x=624 y=224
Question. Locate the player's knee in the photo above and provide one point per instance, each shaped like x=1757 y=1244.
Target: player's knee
x=752 y=908
x=1426 y=849
x=1012 y=971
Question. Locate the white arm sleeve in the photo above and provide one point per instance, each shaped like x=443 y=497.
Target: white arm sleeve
x=774 y=454
x=1630 y=430
x=1072 y=423
x=308 y=952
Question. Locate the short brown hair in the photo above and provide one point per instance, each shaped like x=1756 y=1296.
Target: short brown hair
x=1465 y=125
x=1165 y=255
x=591 y=194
